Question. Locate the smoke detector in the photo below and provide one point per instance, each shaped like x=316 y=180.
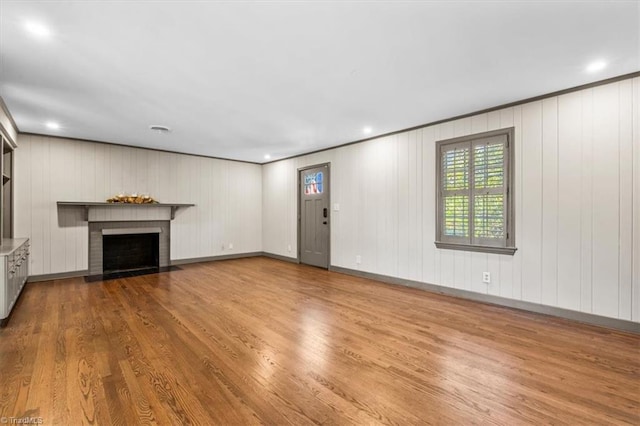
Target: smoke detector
x=160 y=129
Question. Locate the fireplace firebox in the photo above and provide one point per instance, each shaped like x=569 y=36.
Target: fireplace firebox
x=130 y=252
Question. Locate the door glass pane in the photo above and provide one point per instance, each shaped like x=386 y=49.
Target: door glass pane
x=488 y=216
x=313 y=183
x=456 y=216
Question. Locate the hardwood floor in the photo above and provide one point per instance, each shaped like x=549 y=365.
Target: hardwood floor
x=258 y=340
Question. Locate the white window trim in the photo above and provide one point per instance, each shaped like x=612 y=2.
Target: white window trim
x=441 y=240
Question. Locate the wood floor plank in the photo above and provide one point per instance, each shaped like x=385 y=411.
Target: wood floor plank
x=260 y=341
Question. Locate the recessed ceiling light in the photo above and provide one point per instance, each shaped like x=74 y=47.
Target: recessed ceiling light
x=52 y=125
x=596 y=66
x=367 y=130
x=37 y=29
x=267 y=157
x=159 y=128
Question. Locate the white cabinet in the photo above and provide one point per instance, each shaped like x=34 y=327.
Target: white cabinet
x=14 y=270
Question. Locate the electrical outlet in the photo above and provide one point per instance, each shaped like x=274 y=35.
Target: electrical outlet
x=289 y=248
x=486 y=277
x=222 y=246
x=358 y=259
x=336 y=207
x=230 y=246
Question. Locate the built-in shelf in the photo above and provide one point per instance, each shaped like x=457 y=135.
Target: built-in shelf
x=6 y=189
x=87 y=205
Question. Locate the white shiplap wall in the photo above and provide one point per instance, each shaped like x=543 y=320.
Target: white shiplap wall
x=227 y=194
x=577 y=204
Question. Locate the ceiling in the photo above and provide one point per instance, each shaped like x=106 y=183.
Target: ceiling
x=240 y=80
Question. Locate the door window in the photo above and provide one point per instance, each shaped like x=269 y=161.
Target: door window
x=313 y=183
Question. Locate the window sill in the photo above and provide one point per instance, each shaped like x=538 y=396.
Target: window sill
x=482 y=249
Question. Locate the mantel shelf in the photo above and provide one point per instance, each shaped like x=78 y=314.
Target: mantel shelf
x=87 y=205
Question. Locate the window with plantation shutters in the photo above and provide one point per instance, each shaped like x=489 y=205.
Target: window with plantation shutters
x=474 y=201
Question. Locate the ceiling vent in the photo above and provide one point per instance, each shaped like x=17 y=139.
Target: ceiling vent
x=160 y=129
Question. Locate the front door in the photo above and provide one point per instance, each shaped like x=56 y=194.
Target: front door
x=314 y=216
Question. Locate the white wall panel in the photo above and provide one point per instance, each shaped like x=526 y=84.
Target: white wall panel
x=479 y=264
x=569 y=206
x=413 y=262
x=403 y=205
x=227 y=194
x=371 y=204
x=577 y=192
x=586 y=200
x=460 y=274
x=428 y=171
x=549 y=260
x=276 y=238
x=626 y=203
x=606 y=190
x=64 y=259
x=419 y=178
x=516 y=284
x=381 y=203
x=531 y=167
x=493 y=267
